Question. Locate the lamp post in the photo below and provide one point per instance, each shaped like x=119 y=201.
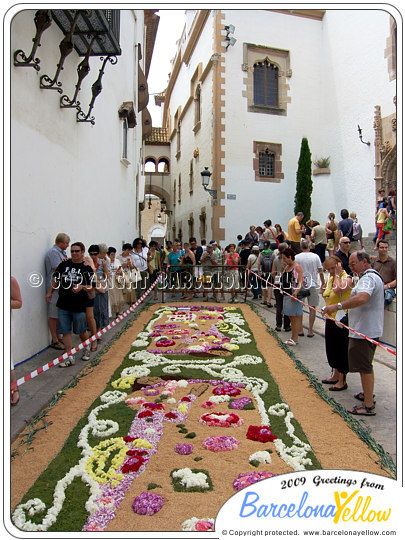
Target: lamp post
x=205 y=177
x=361 y=135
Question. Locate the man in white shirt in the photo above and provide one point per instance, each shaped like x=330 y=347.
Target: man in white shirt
x=366 y=315
x=312 y=267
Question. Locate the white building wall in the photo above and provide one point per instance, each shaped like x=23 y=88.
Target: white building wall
x=258 y=201
x=339 y=74
x=357 y=80
x=190 y=140
x=67 y=176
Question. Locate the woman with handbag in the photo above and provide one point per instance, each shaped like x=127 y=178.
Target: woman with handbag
x=382 y=216
x=292 y=279
x=338 y=288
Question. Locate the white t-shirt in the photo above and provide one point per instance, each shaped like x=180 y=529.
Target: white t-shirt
x=254 y=259
x=310 y=264
x=369 y=317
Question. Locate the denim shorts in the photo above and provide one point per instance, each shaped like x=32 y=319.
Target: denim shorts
x=66 y=318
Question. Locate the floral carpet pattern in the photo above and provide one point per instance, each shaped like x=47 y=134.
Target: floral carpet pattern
x=193 y=385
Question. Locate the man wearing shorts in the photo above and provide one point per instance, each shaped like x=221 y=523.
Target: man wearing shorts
x=312 y=267
x=72 y=278
x=366 y=315
x=53 y=257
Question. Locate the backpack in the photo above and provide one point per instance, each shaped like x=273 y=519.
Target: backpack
x=356 y=231
x=266 y=261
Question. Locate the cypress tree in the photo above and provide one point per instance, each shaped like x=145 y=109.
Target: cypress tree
x=302 y=201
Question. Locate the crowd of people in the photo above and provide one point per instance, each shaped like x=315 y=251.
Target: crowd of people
x=304 y=262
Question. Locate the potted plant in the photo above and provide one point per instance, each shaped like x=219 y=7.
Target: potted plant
x=322 y=166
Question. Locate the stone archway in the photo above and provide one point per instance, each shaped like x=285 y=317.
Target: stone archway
x=389 y=171
x=385 y=151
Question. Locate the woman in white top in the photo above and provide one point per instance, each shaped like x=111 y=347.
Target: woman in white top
x=139 y=258
x=116 y=283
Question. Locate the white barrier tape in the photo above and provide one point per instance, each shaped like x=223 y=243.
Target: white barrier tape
x=104 y=330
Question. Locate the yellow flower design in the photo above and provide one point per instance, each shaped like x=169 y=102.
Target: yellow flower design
x=101 y=453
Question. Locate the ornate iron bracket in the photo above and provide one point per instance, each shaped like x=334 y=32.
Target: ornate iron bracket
x=95 y=90
x=42 y=21
x=83 y=69
x=65 y=47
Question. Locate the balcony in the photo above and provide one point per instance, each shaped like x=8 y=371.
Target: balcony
x=105 y=23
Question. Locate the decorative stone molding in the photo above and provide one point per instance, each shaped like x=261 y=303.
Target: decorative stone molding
x=276 y=150
x=390 y=52
x=323 y=170
x=278 y=57
x=385 y=152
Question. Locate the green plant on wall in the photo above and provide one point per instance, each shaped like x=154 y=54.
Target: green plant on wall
x=322 y=163
x=302 y=201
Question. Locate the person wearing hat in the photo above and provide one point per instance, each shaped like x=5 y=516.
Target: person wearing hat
x=253 y=265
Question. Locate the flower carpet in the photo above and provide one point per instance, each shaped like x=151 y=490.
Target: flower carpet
x=192 y=404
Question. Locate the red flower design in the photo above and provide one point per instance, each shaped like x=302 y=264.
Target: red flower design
x=134 y=462
x=260 y=434
x=144 y=414
x=170 y=415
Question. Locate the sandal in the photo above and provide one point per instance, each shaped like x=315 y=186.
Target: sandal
x=14 y=401
x=369 y=411
x=360 y=396
x=94 y=346
x=290 y=342
x=338 y=388
x=57 y=345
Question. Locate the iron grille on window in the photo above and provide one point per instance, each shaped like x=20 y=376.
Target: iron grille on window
x=266 y=164
x=265 y=82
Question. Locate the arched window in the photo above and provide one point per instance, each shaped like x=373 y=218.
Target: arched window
x=150 y=164
x=163 y=165
x=265 y=83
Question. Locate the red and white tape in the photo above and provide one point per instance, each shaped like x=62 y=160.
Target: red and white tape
x=104 y=330
x=388 y=349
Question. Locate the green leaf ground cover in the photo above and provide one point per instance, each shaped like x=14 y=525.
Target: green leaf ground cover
x=75 y=515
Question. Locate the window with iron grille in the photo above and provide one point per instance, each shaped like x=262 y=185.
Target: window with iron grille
x=265 y=83
x=266 y=163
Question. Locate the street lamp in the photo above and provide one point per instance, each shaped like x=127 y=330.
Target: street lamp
x=205 y=177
